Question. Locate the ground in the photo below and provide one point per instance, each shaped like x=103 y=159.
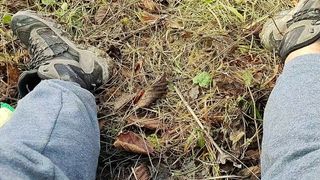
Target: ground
x=190 y=81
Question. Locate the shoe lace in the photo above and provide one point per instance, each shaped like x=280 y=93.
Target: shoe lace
x=308 y=14
x=38 y=55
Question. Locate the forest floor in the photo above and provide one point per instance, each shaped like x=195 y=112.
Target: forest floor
x=189 y=85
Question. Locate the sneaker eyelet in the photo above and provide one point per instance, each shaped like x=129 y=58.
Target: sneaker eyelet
x=311 y=30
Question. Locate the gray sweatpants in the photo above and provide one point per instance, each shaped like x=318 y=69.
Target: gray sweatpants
x=54 y=134
x=291 y=141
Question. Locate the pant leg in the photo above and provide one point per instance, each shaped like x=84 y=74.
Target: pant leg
x=53 y=134
x=291 y=142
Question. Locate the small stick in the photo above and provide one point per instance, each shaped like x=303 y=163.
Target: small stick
x=134 y=174
x=198 y=121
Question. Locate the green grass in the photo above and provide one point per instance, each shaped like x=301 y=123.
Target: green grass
x=219 y=37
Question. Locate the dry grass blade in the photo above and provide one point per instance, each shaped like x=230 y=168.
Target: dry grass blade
x=134 y=143
x=236 y=136
x=156 y=91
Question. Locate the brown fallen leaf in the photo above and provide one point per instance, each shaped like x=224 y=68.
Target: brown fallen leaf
x=148 y=18
x=252 y=155
x=132 y=142
x=150 y=5
x=123 y=100
x=141 y=173
x=13 y=74
x=101 y=14
x=149 y=123
x=149 y=96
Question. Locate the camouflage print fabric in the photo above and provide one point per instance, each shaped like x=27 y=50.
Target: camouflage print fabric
x=53 y=56
x=293 y=29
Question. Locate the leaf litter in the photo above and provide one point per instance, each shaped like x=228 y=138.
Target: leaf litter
x=132 y=142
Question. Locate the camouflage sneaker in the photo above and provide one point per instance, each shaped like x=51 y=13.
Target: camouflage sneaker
x=274 y=29
x=299 y=28
x=53 y=56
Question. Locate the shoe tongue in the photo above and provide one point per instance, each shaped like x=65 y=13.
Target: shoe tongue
x=28 y=80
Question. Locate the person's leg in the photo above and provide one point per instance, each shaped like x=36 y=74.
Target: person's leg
x=291 y=127
x=291 y=142
x=53 y=134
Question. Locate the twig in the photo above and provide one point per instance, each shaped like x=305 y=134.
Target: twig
x=255 y=119
x=198 y=121
x=134 y=174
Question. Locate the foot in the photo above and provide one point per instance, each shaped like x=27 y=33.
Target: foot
x=295 y=30
x=274 y=30
x=53 y=56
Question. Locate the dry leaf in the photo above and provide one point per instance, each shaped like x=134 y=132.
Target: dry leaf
x=156 y=91
x=141 y=172
x=194 y=92
x=132 y=142
x=149 y=123
x=101 y=14
x=150 y=5
x=252 y=155
x=148 y=18
x=13 y=74
x=123 y=100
